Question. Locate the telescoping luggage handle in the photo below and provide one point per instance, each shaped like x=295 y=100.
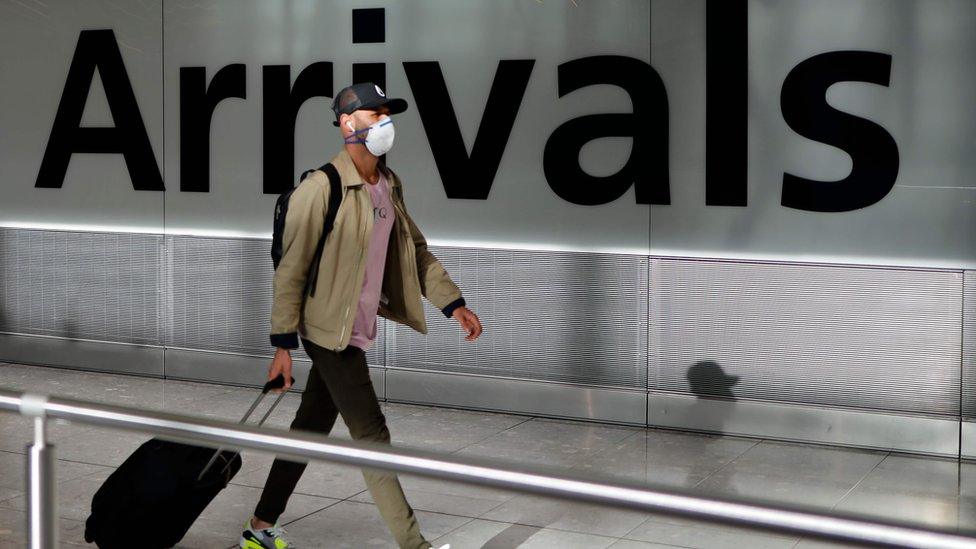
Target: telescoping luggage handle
x=276 y=383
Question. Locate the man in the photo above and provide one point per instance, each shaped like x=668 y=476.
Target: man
x=375 y=260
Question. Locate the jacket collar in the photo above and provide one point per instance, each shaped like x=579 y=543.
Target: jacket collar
x=350 y=175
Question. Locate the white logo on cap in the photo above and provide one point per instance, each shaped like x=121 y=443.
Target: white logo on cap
x=379 y=91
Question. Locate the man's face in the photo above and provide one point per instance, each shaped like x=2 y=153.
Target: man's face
x=363 y=118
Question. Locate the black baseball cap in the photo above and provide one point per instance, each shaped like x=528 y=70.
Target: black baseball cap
x=364 y=96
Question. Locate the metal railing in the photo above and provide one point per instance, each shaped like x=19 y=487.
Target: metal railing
x=42 y=494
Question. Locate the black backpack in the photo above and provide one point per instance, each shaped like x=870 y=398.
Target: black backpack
x=281 y=212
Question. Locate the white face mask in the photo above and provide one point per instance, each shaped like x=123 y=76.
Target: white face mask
x=379 y=136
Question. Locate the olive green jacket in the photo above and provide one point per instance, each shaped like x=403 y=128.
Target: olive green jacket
x=326 y=318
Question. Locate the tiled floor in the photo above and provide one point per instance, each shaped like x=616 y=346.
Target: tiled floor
x=332 y=509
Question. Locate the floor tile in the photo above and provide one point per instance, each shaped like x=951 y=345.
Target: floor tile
x=487 y=497
x=547 y=539
x=688 y=533
x=918 y=509
x=435 y=435
x=565 y=515
x=74 y=496
x=915 y=475
x=13 y=476
x=13 y=528
x=319 y=479
x=557 y=444
x=436 y=497
x=17 y=432
x=665 y=458
x=100 y=446
x=210 y=534
x=350 y=524
x=488 y=534
x=468 y=418
x=967 y=516
x=799 y=460
x=631 y=544
x=397 y=409
x=13 y=470
x=922 y=491
x=822 y=493
x=812 y=544
x=235 y=504
x=9 y=493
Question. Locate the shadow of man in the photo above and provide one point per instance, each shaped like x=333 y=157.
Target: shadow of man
x=708 y=379
x=712 y=385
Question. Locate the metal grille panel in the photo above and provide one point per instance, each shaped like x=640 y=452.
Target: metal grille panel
x=551 y=316
x=881 y=339
x=969 y=346
x=81 y=285
x=891 y=340
x=221 y=295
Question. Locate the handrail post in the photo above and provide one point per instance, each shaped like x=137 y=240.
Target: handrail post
x=42 y=482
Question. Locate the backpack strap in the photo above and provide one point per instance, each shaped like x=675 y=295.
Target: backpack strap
x=335 y=197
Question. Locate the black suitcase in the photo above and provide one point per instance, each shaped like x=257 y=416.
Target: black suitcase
x=154 y=497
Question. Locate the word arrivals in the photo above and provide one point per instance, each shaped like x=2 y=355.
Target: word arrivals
x=467 y=175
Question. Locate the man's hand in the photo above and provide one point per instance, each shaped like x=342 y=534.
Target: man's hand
x=469 y=322
x=281 y=365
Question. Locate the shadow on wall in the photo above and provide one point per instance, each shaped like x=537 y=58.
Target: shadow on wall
x=709 y=381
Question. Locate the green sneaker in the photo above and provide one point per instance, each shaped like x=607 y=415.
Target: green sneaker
x=270 y=538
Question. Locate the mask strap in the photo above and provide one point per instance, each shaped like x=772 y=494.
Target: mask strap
x=354 y=139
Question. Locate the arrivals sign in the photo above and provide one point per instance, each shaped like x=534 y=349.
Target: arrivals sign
x=833 y=130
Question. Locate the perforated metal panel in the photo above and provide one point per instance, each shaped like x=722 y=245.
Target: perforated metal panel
x=880 y=339
x=891 y=340
x=220 y=296
x=969 y=346
x=552 y=316
x=81 y=285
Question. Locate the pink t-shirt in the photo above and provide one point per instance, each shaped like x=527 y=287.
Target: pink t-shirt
x=364 y=326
